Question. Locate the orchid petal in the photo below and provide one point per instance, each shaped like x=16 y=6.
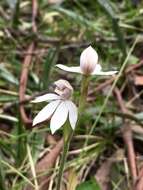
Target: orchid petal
x=46 y=112
x=59 y=117
x=69 y=69
x=46 y=97
x=104 y=73
x=88 y=60
x=73 y=113
x=98 y=68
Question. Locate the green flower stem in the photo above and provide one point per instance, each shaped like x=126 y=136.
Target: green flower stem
x=68 y=133
x=82 y=100
x=83 y=96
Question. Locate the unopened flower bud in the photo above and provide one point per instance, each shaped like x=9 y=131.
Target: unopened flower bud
x=63 y=88
x=88 y=60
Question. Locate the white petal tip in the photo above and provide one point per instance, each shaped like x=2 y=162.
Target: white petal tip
x=105 y=73
x=69 y=69
x=52 y=131
x=57 y=65
x=60 y=66
x=33 y=101
x=73 y=124
x=73 y=113
x=46 y=97
x=112 y=72
x=34 y=123
x=73 y=127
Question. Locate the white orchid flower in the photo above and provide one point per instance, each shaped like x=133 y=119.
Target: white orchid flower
x=88 y=64
x=60 y=107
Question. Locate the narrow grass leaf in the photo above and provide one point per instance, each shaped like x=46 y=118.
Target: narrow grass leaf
x=2 y=177
x=17 y=172
x=21 y=143
x=8 y=76
x=50 y=60
x=32 y=167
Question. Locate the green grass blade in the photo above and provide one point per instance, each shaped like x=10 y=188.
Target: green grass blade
x=17 y=172
x=33 y=171
x=21 y=144
x=2 y=178
x=48 y=64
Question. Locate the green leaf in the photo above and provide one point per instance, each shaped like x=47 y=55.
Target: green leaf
x=21 y=143
x=5 y=74
x=89 y=185
x=49 y=62
x=75 y=16
x=2 y=177
x=105 y=4
x=36 y=141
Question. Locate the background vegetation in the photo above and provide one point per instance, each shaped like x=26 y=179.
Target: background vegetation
x=36 y=35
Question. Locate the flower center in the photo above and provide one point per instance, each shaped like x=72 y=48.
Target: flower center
x=64 y=93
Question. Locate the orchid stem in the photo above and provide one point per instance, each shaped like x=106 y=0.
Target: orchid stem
x=67 y=139
x=82 y=100
x=83 y=96
x=68 y=134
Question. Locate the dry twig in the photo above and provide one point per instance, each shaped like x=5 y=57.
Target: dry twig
x=128 y=139
x=23 y=83
x=26 y=65
x=45 y=164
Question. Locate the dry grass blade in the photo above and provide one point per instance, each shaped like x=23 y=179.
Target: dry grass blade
x=128 y=138
x=103 y=173
x=45 y=164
